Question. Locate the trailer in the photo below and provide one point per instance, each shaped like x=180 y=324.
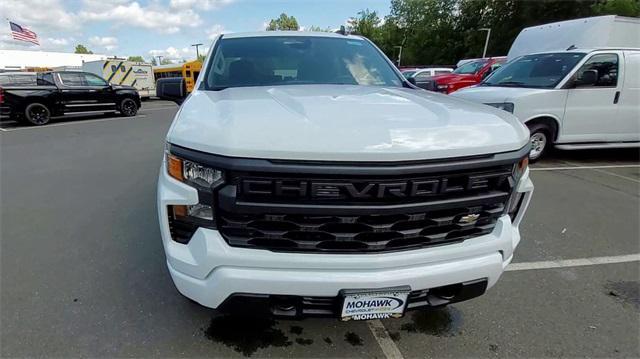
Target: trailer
x=122 y=72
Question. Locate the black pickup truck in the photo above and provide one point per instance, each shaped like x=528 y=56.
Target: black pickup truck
x=34 y=98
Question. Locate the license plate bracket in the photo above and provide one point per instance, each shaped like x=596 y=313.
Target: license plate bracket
x=382 y=303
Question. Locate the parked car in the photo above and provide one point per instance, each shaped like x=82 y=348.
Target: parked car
x=34 y=98
x=575 y=98
x=304 y=175
x=471 y=73
x=426 y=72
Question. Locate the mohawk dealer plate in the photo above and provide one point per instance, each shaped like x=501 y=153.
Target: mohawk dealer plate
x=374 y=304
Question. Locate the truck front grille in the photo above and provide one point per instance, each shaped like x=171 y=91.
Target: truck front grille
x=365 y=233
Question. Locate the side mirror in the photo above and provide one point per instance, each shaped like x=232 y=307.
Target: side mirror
x=171 y=89
x=587 y=78
x=412 y=80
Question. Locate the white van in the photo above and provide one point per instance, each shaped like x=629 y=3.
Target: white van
x=573 y=98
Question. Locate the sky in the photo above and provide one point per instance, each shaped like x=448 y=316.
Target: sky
x=160 y=27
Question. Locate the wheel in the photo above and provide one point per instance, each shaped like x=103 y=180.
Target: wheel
x=128 y=107
x=541 y=141
x=37 y=114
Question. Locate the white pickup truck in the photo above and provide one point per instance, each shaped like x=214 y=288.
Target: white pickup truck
x=305 y=176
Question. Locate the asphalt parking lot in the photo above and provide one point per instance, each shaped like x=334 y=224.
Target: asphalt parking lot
x=83 y=270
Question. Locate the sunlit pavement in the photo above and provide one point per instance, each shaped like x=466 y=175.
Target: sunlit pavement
x=83 y=271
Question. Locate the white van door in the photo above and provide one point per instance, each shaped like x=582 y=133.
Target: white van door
x=591 y=111
x=629 y=102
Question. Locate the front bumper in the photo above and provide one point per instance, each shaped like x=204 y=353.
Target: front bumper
x=210 y=271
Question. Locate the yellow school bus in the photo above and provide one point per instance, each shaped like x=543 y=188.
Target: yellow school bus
x=189 y=71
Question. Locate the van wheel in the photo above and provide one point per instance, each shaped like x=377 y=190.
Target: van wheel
x=128 y=107
x=37 y=114
x=540 y=141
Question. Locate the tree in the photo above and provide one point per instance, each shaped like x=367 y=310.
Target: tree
x=202 y=57
x=366 y=24
x=81 y=49
x=617 y=7
x=136 y=58
x=317 y=29
x=282 y=23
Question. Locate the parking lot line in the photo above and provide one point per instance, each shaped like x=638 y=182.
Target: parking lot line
x=578 y=262
x=71 y=123
x=158 y=108
x=566 y=168
x=388 y=346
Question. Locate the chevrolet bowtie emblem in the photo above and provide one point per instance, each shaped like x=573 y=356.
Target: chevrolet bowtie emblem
x=469 y=218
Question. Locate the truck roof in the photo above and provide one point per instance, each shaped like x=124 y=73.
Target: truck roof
x=237 y=35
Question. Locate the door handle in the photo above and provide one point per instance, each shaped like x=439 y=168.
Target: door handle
x=616 y=97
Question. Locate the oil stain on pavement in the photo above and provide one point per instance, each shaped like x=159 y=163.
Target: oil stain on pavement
x=626 y=292
x=441 y=322
x=353 y=339
x=246 y=334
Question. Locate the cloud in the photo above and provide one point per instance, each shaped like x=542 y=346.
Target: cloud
x=153 y=17
x=175 y=54
x=214 y=31
x=108 y=42
x=40 y=15
x=199 y=4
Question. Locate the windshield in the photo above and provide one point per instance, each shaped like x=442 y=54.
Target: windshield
x=538 y=71
x=470 y=67
x=290 y=60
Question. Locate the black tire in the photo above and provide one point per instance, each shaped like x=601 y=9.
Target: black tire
x=37 y=114
x=541 y=138
x=128 y=107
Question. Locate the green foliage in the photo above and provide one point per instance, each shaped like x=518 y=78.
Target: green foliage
x=617 y=7
x=81 y=49
x=444 y=31
x=317 y=29
x=282 y=23
x=136 y=58
x=202 y=57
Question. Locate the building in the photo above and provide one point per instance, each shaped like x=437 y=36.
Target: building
x=15 y=60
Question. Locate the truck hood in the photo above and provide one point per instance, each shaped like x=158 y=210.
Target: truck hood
x=495 y=94
x=341 y=123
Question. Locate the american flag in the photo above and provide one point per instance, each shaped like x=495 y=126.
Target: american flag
x=23 y=34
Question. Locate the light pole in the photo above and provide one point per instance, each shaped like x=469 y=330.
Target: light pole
x=486 y=41
x=159 y=59
x=399 y=54
x=197 y=52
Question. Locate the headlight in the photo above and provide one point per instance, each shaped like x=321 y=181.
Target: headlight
x=505 y=106
x=442 y=87
x=192 y=173
x=184 y=220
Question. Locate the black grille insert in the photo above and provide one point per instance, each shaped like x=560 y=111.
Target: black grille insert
x=366 y=233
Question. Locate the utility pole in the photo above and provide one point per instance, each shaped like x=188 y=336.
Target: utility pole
x=486 y=41
x=399 y=54
x=197 y=52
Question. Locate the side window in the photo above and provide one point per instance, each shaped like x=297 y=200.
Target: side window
x=93 y=80
x=606 y=65
x=45 y=79
x=440 y=72
x=72 y=79
x=122 y=69
x=113 y=68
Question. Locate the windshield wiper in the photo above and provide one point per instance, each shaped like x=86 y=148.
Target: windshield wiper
x=510 y=83
x=217 y=88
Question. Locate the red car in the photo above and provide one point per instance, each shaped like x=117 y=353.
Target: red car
x=466 y=75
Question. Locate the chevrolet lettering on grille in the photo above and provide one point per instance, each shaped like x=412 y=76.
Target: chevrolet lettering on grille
x=324 y=189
